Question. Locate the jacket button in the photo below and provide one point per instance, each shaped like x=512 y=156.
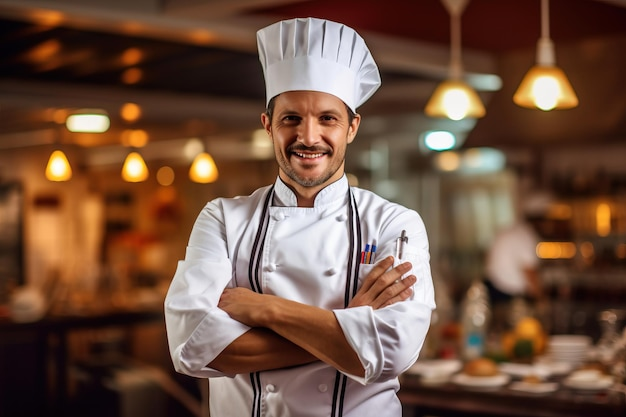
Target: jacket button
x=271 y=268
x=279 y=216
x=331 y=271
x=270 y=388
x=341 y=218
x=322 y=387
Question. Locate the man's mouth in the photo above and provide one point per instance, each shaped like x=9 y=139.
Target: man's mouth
x=309 y=155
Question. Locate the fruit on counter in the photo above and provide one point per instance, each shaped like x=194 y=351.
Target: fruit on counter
x=528 y=328
x=532 y=379
x=481 y=367
x=525 y=340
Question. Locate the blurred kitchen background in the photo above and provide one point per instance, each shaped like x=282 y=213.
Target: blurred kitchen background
x=179 y=78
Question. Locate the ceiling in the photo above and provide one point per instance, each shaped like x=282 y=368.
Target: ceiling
x=200 y=74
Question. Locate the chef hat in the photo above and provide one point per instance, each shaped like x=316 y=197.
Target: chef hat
x=317 y=55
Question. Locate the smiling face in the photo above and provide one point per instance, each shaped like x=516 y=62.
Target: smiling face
x=310 y=131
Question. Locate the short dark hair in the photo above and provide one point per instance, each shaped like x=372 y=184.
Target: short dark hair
x=270 y=110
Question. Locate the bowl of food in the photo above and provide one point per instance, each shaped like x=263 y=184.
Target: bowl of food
x=481 y=373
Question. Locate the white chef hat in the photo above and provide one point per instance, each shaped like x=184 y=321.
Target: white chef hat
x=317 y=55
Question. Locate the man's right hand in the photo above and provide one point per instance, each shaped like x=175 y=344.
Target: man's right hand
x=383 y=286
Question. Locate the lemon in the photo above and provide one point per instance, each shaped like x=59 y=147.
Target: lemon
x=528 y=328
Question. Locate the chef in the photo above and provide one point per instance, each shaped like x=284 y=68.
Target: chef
x=308 y=297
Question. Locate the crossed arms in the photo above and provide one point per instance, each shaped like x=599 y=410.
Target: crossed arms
x=286 y=333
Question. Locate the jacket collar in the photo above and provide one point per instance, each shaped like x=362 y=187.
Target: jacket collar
x=285 y=197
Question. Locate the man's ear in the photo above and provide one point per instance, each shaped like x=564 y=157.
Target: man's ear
x=354 y=127
x=266 y=123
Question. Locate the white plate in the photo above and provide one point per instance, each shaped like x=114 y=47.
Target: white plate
x=554 y=367
x=522 y=369
x=540 y=388
x=567 y=342
x=435 y=367
x=434 y=379
x=481 y=381
x=601 y=383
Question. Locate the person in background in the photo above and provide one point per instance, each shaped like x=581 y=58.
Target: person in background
x=512 y=264
x=308 y=297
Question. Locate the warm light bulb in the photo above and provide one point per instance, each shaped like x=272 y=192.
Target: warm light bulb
x=546 y=88
x=545 y=92
x=456 y=103
x=135 y=169
x=203 y=169
x=456 y=100
x=58 y=168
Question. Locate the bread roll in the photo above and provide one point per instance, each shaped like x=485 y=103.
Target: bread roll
x=481 y=367
x=532 y=379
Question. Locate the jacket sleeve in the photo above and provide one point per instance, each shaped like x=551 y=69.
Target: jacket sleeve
x=388 y=340
x=197 y=329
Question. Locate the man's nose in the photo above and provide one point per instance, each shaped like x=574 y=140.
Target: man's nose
x=308 y=132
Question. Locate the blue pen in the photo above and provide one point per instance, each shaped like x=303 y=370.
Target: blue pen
x=372 y=254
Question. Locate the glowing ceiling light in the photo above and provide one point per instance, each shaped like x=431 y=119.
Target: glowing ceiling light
x=58 y=168
x=203 y=169
x=88 y=121
x=545 y=86
x=454 y=98
x=134 y=169
x=439 y=140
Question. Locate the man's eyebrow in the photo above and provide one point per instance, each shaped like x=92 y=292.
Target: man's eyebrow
x=287 y=112
x=329 y=111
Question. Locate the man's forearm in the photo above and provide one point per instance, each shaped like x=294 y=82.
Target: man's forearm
x=317 y=330
x=314 y=329
x=260 y=350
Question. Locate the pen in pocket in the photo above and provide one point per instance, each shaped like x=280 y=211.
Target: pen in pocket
x=400 y=242
x=368 y=255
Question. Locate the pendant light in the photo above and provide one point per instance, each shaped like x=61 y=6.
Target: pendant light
x=454 y=98
x=203 y=169
x=58 y=168
x=545 y=86
x=134 y=169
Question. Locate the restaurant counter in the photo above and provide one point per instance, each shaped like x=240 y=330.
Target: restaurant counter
x=452 y=400
x=29 y=384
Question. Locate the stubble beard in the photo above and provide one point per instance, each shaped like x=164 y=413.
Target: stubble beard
x=337 y=161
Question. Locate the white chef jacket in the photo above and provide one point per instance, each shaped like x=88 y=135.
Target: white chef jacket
x=266 y=243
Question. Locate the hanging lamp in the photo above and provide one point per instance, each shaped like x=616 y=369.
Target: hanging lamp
x=545 y=86
x=454 y=98
x=134 y=169
x=203 y=169
x=58 y=168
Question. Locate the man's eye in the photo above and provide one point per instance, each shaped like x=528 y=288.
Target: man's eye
x=291 y=119
x=328 y=118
